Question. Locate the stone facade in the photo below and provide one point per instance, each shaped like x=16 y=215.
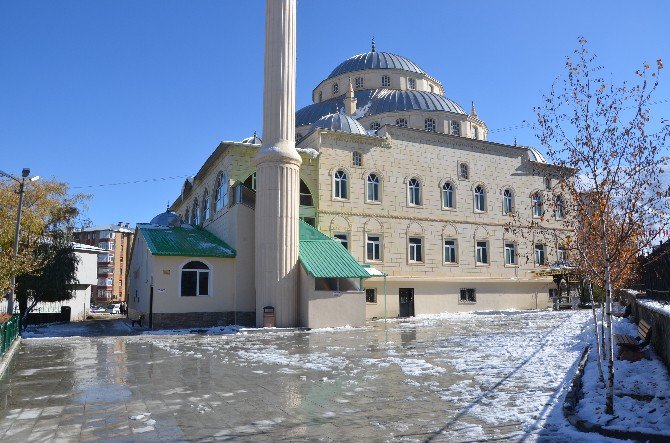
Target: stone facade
x=185 y=320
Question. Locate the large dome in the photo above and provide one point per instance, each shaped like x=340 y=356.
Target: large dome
x=375 y=60
x=377 y=101
x=339 y=122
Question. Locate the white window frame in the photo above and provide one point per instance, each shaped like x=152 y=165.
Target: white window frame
x=386 y=81
x=562 y=254
x=479 y=255
x=342 y=238
x=401 y=122
x=508 y=201
x=374 y=291
x=195 y=215
x=479 y=198
x=510 y=253
x=373 y=183
x=475 y=132
x=463 y=167
x=358 y=83
x=560 y=207
x=448 y=190
x=467 y=300
x=540 y=260
x=414 y=197
x=415 y=250
x=205 y=206
x=379 y=242
x=537 y=205
x=453 y=247
x=210 y=278
x=429 y=125
x=221 y=193
x=340 y=185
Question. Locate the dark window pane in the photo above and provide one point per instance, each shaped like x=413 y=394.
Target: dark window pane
x=195 y=265
x=203 y=282
x=188 y=283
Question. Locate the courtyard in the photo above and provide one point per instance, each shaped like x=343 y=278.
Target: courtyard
x=451 y=377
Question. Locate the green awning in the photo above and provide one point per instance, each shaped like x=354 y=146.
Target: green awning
x=323 y=257
x=184 y=242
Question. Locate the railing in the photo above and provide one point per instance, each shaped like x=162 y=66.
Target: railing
x=243 y=195
x=9 y=330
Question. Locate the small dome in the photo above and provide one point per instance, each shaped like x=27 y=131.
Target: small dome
x=167 y=219
x=339 y=122
x=253 y=140
x=536 y=156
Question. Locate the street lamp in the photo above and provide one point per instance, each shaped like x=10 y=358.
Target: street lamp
x=22 y=182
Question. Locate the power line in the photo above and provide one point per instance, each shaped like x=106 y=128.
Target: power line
x=147 y=180
x=526 y=124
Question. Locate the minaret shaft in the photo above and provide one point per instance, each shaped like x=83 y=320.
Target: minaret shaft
x=278 y=172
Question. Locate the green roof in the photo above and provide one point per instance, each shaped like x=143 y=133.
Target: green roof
x=185 y=242
x=324 y=257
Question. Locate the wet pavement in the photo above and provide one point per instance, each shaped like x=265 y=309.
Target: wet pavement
x=467 y=377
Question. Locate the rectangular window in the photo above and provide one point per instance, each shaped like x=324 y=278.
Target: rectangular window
x=411 y=83
x=371 y=295
x=415 y=249
x=482 y=253
x=343 y=239
x=463 y=171
x=358 y=84
x=562 y=255
x=203 y=283
x=450 y=251
x=468 y=295
x=373 y=246
x=455 y=128
x=189 y=283
x=540 y=258
x=386 y=81
x=510 y=254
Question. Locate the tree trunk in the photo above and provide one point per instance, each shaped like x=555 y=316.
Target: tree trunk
x=595 y=322
x=23 y=311
x=609 y=402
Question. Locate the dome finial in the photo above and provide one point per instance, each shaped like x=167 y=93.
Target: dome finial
x=473 y=111
x=374 y=49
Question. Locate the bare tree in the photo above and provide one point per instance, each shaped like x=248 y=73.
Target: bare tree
x=612 y=153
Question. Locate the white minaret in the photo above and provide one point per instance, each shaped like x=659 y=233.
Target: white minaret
x=278 y=172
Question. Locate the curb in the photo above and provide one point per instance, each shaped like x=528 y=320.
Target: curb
x=570 y=411
x=7 y=358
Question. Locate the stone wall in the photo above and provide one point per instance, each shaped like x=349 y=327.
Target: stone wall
x=202 y=319
x=660 y=329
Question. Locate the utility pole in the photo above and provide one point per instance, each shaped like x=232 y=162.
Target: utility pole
x=17 y=230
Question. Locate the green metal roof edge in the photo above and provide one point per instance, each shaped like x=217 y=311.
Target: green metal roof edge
x=154 y=249
x=310 y=235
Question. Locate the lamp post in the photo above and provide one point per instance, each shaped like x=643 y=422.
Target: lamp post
x=22 y=183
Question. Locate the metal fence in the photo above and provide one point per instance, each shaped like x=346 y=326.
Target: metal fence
x=9 y=330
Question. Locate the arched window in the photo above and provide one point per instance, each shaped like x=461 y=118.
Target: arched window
x=298 y=137
x=196 y=213
x=187 y=216
x=480 y=199
x=448 y=195
x=373 y=188
x=508 y=201
x=357 y=158
x=414 y=192
x=411 y=83
x=205 y=206
x=195 y=279
x=336 y=88
x=340 y=184
x=386 y=81
x=537 y=203
x=374 y=126
x=455 y=128
x=221 y=192
x=320 y=96
x=560 y=208
x=402 y=122
x=547 y=183
x=475 y=132
x=429 y=125
x=358 y=83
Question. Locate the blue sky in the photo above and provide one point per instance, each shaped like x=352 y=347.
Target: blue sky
x=101 y=92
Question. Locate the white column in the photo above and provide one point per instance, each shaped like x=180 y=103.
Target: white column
x=278 y=172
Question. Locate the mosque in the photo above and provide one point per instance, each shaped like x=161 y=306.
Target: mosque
x=382 y=198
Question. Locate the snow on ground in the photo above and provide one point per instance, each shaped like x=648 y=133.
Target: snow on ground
x=79 y=329
x=642 y=391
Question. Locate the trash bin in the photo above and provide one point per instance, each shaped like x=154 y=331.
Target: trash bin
x=65 y=314
x=269 y=317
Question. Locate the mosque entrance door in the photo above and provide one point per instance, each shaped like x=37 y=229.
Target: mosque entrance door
x=406 y=302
